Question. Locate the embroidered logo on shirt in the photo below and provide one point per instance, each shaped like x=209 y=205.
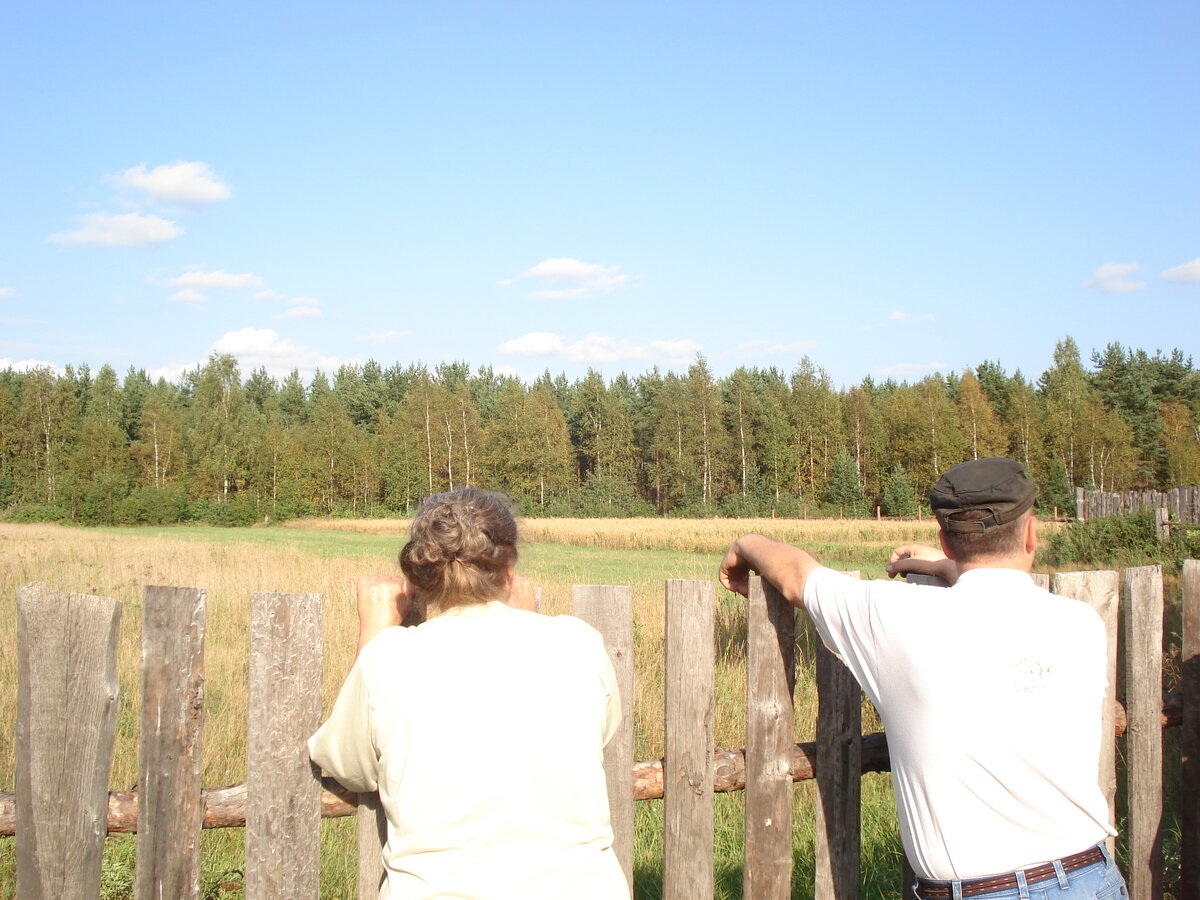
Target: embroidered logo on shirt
x=1029 y=674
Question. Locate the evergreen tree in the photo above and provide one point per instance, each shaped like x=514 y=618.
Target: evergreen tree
x=899 y=497
x=843 y=489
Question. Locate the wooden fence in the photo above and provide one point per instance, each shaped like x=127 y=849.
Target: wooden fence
x=67 y=702
x=1183 y=503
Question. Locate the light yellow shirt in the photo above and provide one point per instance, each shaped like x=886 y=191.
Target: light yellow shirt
x=483 y=731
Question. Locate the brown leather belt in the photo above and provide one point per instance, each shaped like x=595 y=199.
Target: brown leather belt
x=971 y=887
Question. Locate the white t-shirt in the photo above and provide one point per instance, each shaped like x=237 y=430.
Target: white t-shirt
x=483 y=731
x=991 y=694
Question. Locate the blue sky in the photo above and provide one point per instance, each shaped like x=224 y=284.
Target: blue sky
x=890 y=189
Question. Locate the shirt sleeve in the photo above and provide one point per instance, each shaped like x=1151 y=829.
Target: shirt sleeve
x=343 y=746
x=841 y=612
x=613 y=709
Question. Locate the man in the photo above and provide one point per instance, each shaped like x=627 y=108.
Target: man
x=990 y=691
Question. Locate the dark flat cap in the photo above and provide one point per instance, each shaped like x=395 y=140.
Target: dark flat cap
x=997 y=485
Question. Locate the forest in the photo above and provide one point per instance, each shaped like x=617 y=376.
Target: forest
x=93 y=448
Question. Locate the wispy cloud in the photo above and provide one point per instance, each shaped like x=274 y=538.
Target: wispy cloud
x=217 y=279
x=598 y=348
x=7 y=292
x=301 y=308
x=268 y=294
x=188 y=296
x=118 y=230
x=1188 y=273
x=565 y=278
x=382 y=337
x=1113 y=278
x=180 y=183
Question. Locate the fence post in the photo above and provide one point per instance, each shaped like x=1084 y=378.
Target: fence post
x=838 y=778
x=1189 y=867
x=66 y=722
x=371 y=831
x=610 y=611
x=170 y=812
x=283 y=793
x=1142 y=603
x=770 y=682
x=1100 y=591
x=688 y=766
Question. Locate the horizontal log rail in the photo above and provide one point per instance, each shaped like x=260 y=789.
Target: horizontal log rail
x=226 y=807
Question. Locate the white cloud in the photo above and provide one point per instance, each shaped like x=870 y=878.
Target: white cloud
x=219 y=278
x=598 y=348
x=1188 y=273
x=25 y=365
x=382 y=337
x=305 y=301
x=268 y=294
x=182 y=183
x=7 y=292
x=1112 y=278
x=118 y=230
x=903 y=370
x=571 y=278
x=898 y=316
x=188 y=296
x=256 y=347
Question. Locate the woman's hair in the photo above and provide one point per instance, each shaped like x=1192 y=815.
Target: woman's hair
x=459 y=548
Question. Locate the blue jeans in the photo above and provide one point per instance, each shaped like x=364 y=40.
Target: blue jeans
x=1099 y=881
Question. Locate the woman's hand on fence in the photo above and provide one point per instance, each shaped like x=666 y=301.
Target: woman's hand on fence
x=922 y=560
x=383 y=601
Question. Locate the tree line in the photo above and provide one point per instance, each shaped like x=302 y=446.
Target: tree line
x=366 y=440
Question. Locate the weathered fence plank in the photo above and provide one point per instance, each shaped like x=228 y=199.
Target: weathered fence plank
x=170 y=812
x=283 y=799
x=688 y=778
x=371 y=832
x=1100 y=591
x=770 y=682
x=66 y=722
x=609 y=609
x=1189 y=868
x=839 y=784
x=1142 y=603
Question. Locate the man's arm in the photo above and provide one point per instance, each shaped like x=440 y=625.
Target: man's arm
x=922 y=560
x=784 y=566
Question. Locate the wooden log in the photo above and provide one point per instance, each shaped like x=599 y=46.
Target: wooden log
x=1142 y=602
x=770 y=683
x=226 y=807
x=283 y=809
x=688 y=803
x=1100 y=591
x=838 y=808
x=66 y=720
x=609 y=609
x=1189 y=875
x=168 y=851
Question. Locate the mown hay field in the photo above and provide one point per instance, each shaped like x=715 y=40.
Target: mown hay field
x=326 y=556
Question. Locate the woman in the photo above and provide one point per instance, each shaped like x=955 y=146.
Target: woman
x=482 y=729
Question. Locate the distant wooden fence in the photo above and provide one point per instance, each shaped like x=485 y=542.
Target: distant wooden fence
x=67 y=702
x=1183 y=503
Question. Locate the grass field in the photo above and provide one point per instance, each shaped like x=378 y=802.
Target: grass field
x=325 y=557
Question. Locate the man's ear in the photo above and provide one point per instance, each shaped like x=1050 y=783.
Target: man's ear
x=1031 y=528
x=942 y=541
